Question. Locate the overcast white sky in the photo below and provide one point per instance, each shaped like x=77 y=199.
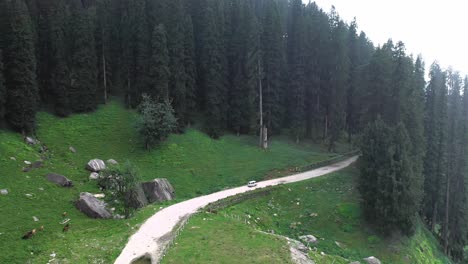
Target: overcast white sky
x=436 y=29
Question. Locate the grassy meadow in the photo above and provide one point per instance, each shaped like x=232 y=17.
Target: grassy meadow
x=193 y=163
x=326 y=207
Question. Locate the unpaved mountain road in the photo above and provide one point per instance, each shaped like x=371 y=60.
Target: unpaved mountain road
x=154 y=235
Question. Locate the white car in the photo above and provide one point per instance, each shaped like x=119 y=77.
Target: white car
x=252 y=184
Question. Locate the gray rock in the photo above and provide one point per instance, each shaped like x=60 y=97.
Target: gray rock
x=29 y=195
x=36 y=164
x=72 y=149
x=372 y=260
x=30 y=141
x=94 y=176
x=136 y=197
x=3 y=191
x=96 y=165
x=355 y=262
x=27 y=169
x=27 y=162
x=310 y=239
x=35 y=219
x=92 y=207
x=112 y=162
x=13 y=158
x=59 y=179
x=158 y=190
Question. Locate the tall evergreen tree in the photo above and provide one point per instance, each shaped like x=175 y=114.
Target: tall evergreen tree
x=190 y=71
x=22 y=91
x=386 y=178
x=435 y=130
x=339 y=80
x=159 y=67
x=2 y=89
x=175 y=44
x=295 y=49
x=212 y=71
x=60 y=75
x=82 y=92
x=272 y=47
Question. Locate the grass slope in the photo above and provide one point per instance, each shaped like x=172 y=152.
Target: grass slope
x=326 y=207
x=194 y=163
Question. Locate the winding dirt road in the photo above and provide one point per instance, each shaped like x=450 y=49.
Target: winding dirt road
x=154 y=235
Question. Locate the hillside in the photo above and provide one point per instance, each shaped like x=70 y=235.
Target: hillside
x=194 y=164
x=326 y=207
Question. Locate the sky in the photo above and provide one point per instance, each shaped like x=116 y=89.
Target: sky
x=435 y=29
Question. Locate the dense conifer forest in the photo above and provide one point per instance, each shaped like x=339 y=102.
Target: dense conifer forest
x=317 y=76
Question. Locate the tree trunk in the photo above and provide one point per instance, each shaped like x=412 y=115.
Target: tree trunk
x=434 y=217
x=263 y=130
x=265 y=138
x=446 y=220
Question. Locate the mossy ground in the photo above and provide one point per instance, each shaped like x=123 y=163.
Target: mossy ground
x=194 y=164
x=326 y=207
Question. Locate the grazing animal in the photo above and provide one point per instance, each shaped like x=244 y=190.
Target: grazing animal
x=29 y=234
x=66 y=227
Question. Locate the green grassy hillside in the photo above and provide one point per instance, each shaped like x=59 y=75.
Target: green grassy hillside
x=194 y=164
x=326 y=207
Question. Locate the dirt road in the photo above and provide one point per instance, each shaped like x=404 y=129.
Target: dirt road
x=154 y=234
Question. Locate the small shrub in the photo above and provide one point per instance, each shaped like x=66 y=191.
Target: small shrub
x=117 y=182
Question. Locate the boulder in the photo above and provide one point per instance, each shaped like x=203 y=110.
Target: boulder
x=27 y=169
x=59 y=179
x=111 y=162
x=136 y=198
x=94 y=176
x=72 y=149
x=372 y=260
x=96 y=165
x=310 y=239
x=30 y=141
x=3 y=191
x=27 y=162
x=92 y=207
x=158 y=190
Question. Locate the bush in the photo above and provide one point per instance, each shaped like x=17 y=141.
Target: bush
x=117 y=183
x=156 y=120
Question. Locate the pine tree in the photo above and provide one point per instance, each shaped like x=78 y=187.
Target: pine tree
x=2 y=89
x=295 y=49
x=60 y=76
x=435 y=130
x=272 y=47
x=190 y=71
x=244 y=57
x=387 y=179
x=159 y=66
x=339 y=80
x=104 y=48
x=82 y=92
x=176 y=46
x=212 y=71
x=20 y=65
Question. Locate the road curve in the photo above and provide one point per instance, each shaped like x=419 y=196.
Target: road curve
x=149 y=239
